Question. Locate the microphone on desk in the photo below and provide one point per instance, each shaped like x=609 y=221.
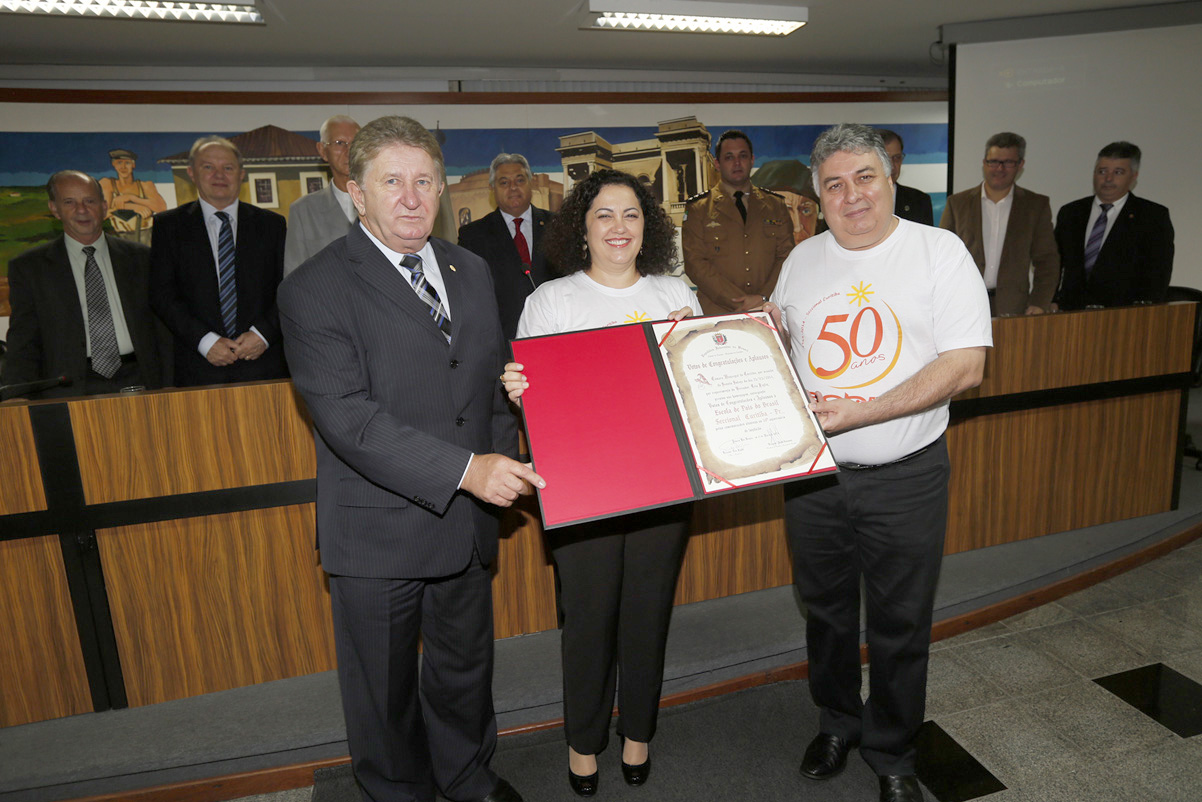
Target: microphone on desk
x=21 y=388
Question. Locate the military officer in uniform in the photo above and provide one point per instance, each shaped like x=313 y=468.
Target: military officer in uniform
x=736 y=236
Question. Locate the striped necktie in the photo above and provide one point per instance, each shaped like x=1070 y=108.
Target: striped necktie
x=427 y=293
x=227 y=287
x=106 y=357
x=1093 y=245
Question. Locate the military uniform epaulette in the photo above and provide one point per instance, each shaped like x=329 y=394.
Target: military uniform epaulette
x=698 y=196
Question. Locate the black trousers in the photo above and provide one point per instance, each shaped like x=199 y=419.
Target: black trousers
x=885 y=525
x=618 y=578
x=407 y=737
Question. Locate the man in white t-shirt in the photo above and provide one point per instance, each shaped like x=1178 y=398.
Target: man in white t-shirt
x=886 y=321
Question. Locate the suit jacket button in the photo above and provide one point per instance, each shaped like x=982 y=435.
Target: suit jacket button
x=454 y=363
x=459 y=421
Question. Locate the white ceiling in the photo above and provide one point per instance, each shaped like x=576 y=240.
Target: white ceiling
x=885 y=40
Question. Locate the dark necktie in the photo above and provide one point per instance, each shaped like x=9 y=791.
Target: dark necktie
x=427 y=293
x=519 y=239
x=1093 y=246
x=227 y=288
x=739 y=205
x=106 y=357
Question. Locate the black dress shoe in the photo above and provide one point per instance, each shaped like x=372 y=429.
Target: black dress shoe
x=583 y=786
x=825 y=756
x=900 y=788
x=503 y=792
x=636 y=775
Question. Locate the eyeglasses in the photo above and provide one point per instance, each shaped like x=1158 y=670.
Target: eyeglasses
x=1007 y=163
x=337 y=143
x=897 y=157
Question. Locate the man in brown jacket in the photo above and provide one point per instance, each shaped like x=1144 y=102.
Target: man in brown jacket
x=734 y=254
x=1008 y=230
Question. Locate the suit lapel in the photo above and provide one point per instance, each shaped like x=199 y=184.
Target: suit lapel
x=370 y=264
x=66 y=292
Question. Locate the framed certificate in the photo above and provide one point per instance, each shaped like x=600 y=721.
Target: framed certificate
x=634 y=417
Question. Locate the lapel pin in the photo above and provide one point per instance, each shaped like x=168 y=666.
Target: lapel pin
x=452 y=268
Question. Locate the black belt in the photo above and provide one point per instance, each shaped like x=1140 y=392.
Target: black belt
x=855 y=466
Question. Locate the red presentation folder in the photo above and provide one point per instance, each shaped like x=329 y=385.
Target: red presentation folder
x=603 y=425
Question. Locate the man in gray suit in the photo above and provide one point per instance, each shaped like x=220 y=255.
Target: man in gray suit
x=395 y=344
x=319 y=218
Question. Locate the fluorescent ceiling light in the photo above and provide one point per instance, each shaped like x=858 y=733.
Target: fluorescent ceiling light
x=233 y=11
x=698 y=16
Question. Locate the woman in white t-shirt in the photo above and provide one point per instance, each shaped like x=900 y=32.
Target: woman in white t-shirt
x=617 y=576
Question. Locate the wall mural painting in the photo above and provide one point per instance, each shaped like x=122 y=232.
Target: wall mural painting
x=145 y=173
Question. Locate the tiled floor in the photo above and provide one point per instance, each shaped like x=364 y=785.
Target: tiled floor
x=1020 y=695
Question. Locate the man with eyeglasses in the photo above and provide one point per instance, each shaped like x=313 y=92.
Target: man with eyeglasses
x=321 y=217
x=912 y=204
x=1117 y=249
x=1008 y=231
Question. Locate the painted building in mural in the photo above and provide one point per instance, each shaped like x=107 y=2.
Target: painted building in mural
x=281 y=167
x=674 y=165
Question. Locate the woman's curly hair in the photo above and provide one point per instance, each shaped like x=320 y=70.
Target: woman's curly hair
x=567 y=244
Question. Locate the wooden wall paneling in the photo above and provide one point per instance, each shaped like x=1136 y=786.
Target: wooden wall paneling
x=205 y=604
x=186 y=441
x=737 y=544
x=1032 y=472
x=42 y=673
x=1076 y=348
x=5 y=309
x=21 y=486
x=523 y=585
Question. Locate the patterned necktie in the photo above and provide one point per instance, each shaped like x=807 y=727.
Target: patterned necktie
x=519 y=239
x=1093 y=246
x=227 y=288
x=739 y=205
x=427 y=293
x=106 y=357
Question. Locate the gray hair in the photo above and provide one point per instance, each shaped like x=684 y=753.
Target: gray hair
x=209 y=141
x=1122 y=150
x=1007 y=139
x=508 y=158
x=337 y=119
x=847 y=138
x=52 y=184
x=388 y=131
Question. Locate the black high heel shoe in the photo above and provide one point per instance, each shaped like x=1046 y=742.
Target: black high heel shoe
x=583 y=785
x=636 y=775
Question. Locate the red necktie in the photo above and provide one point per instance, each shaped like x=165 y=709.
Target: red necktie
x=519 y=240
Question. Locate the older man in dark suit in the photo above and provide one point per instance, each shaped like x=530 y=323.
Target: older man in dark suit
x=79 y=304
x=910 y=204
x=510 y=238
x=215 y=266
x=394 y=342
x=1115 y=248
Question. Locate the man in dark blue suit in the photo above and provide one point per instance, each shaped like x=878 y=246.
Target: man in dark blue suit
x=394 y=342
x=510 y=238
x=1115 y=248
x=215 y=266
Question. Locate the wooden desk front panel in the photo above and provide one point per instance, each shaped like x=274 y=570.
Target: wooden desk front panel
x=42 y=672
x=1032 y=472
x=21 y=482
x=205 y=604
x=189 y=441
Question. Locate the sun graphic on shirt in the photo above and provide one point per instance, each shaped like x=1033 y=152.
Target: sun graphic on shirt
x=859 y=295
x=637 y=317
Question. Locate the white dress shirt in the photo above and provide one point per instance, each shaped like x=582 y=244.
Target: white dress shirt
x=994 y=219
x=213 y=227
x=1095 y=209
x=79 y=261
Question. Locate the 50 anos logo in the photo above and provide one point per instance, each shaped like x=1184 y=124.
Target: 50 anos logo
x=865 y=347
